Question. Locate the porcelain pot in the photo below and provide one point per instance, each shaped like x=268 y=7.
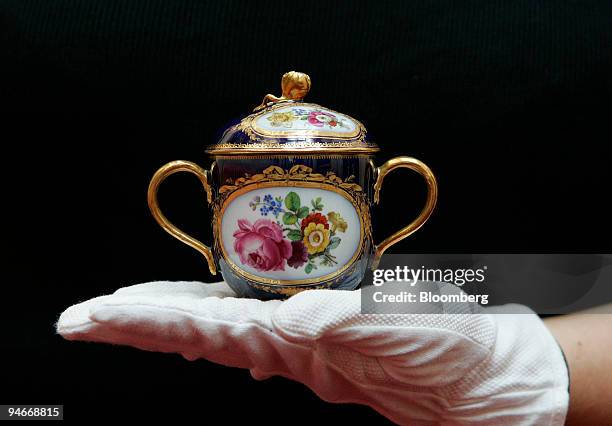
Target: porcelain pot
x=291 y=187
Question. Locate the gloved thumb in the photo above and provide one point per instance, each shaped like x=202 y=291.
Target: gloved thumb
x=421 y=349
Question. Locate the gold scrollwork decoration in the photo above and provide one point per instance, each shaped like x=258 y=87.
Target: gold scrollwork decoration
x=298 y=172
x=298 y=175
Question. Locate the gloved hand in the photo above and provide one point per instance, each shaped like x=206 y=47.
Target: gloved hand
x=489 y=368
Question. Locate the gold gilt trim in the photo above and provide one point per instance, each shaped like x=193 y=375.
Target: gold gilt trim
x=288 y=291
x=288 y=155
x=297 y=176
x=293 y=290
x=294 y=147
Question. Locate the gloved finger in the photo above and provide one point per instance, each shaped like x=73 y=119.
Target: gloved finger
x=195 y=288
x=189 y=303
x=76 y=323
x=229 y=331
x=222 y=330
x=76 y=319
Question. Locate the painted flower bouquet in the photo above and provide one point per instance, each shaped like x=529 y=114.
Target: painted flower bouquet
x=316 y=118
x=299 y=236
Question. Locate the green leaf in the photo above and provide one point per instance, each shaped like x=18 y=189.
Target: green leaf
x=294 y=235
x=289 y=218
x=333 y=243
x=292 y=201
x=302 y=212
x=316 y=204
x=308 y=268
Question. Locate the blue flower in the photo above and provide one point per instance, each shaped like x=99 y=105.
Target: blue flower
x=271 y=205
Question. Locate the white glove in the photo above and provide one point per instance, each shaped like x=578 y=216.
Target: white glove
x=485 y=369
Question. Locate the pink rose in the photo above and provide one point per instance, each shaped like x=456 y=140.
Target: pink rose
x=318 y=118
x=261 y=245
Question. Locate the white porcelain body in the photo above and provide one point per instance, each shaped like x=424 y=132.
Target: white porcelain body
x=277 y=235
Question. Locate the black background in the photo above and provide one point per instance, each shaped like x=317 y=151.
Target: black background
x=507 y=101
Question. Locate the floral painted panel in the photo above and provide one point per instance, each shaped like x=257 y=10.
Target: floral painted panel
x=290 y=233
x=311 y=118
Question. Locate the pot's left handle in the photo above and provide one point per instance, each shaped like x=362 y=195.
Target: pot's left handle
x=159 y=176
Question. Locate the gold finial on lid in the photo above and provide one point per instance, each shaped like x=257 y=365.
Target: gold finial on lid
x=294 y=85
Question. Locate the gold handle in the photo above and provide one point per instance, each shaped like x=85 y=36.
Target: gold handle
x=432 y=196
x=158 y=178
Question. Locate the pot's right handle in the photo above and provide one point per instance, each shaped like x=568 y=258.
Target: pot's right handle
x=430 y=204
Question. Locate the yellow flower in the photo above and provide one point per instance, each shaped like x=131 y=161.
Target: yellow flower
x=337 y=222
x=281 y=119
x=316 y=237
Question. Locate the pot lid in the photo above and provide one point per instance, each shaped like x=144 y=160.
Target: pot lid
x=287 y=124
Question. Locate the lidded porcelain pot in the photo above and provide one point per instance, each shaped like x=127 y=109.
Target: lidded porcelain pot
x=290 y=187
